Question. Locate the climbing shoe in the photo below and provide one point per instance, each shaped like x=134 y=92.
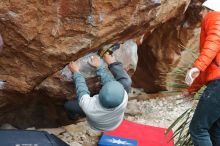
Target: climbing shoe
x=108 y=50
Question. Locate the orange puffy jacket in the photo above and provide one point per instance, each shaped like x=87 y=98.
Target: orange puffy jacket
x=208 y=61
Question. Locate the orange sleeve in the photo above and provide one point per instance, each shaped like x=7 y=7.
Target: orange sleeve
x=211 y=45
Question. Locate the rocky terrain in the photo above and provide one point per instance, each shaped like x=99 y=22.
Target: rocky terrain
x=158 y=110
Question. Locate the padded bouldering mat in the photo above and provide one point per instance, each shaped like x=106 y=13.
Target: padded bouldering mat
x=144 y=134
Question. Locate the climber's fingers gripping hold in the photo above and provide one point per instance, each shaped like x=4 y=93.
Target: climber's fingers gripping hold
x=73 y=67
x=95 y=61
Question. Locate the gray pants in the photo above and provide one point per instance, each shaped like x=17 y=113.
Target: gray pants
x=72 y=106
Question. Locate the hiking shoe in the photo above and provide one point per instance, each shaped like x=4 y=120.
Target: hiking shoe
x=109 y=50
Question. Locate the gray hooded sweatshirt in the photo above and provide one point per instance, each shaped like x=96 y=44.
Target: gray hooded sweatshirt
x=100 y=118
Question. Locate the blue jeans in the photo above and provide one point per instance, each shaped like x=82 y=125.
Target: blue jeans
x=72 y=106
x=205 y=125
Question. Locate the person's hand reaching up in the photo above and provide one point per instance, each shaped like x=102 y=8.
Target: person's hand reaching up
x=73 y=67
x=95 y=61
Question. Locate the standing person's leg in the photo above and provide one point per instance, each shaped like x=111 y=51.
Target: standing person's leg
x=118 y=72
x=215 y=133
x=206 y=114
x=73 y=109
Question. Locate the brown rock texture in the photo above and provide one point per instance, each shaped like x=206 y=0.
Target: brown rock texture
x=42 y=36
x=164 y=49
x=60 y=85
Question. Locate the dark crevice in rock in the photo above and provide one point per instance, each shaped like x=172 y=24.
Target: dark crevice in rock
x=161 y=51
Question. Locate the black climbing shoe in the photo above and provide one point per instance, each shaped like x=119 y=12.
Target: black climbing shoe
x=109 y=50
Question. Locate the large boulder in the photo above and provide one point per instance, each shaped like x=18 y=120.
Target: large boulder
x=42 y=36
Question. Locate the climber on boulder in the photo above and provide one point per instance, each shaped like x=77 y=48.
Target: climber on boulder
x=104 y=111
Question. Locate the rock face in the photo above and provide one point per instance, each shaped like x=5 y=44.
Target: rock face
x=60 y=85
x=1 y=43
x=42 y=36
x=164 y=49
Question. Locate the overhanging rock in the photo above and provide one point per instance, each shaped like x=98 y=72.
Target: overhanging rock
x=60 y=85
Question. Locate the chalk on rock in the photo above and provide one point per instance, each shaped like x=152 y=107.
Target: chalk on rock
x=2 y=84
x=66 y=73
x=86 y=69
x=127 y=54
x=157 y=1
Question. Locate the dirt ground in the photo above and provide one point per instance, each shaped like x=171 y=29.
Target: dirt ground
x=158 y=110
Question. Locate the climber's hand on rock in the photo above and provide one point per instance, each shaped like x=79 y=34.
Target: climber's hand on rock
x=95 y=61
x=73 y=67
x=108 y=58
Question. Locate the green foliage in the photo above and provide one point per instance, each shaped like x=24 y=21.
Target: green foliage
x=177 y=75
x=181 y=124
x=182 y=131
